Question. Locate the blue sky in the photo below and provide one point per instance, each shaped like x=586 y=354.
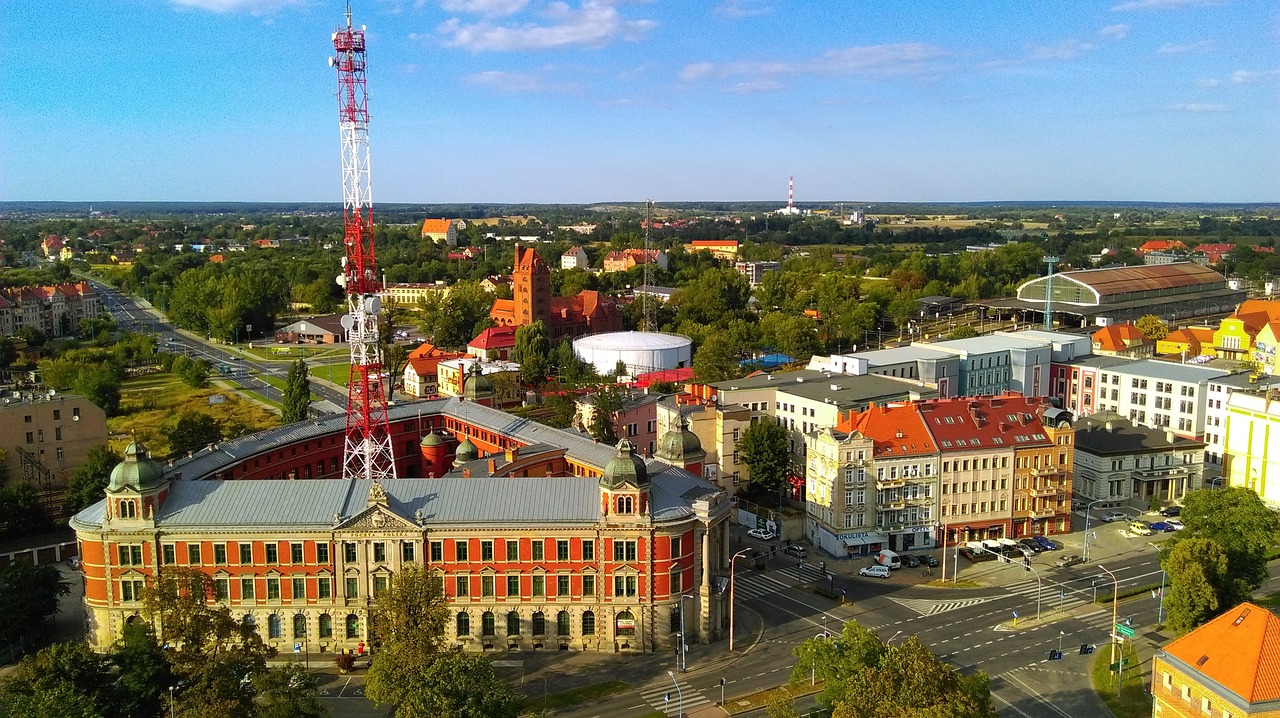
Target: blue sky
x=621 y=100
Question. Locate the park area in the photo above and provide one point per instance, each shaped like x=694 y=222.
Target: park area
x=151 y=405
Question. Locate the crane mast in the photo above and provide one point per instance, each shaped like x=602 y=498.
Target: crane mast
x=367 y=449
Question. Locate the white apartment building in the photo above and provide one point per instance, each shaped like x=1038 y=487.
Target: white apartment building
x=1158 y=394
x=1215 y=422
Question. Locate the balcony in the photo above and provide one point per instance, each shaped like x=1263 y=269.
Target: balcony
x=892 y=506
x=1046 y=492
x=882 y=484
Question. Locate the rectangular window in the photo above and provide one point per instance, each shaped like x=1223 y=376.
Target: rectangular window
x=130 y=555
x=624 y=550
x=221 y=589
x=322 y=553
x=513 y=550
x=379 y=585
x=295 y=553
x=589 y=585
x=588 y=550
x=353 y=587
x=299 y=589
x=273 y=553
x=486 y=586
x=131 y=590
x=57 y=433
x=624 y=585
x=513 y=585
x=462 y=586
x=460 y=550
x=675 y=546
x=246 y=588
x=562 y=586
x=379 y=551
x=169 y=554
x=349 y=551
x=406 y=551
x=539 y=585
x=676 y=585
x=437 y=551
x=220 y=554
x=273 y=589
x=324 y=587
x=486 y=550
x=246 y=554
x=562 y=550
x=538 y=546
x=193 y=553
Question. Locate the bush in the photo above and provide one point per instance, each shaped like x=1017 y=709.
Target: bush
x=346 y=661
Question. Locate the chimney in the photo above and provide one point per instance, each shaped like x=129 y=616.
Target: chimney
x=511 y=454
x=466 y=473
x=493 y=466
x=1109 y=426
x=1002 y=426
x=1169 y=437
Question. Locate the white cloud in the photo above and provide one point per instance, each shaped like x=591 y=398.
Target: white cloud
x=1170 y=48
x=743 y=8
x=595 y=23
x=253 y=7
x=517 y=82
x=1160 y=4
x=1063 y=51
x=1247 y=77
x=1208 y=82
x=750 y=88
x=1116 y=32
x=485 y=7
x=1197 y=107
x=874 y=60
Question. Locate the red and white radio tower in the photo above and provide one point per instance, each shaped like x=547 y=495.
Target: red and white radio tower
x=367 y=451
x=791 y=195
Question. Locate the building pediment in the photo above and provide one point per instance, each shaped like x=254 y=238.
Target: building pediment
x=377 y=518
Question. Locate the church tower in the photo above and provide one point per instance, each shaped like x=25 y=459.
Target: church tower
x=530 y=287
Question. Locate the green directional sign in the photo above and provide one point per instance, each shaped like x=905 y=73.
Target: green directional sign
x=1126 y=663
x=1124 y=630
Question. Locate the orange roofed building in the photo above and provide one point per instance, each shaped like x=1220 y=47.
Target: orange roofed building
x=590 y=312
x=1122 y=340
x=1229 y=667
x=719 y=248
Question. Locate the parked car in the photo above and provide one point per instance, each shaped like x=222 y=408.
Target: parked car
x=1162 y=526
x=874 y=571
x=1171 y=511
x=1068 y=559
x=889 y=559
x=762 y=534
x=909 y=561
x=929 y=561
x=1113 y=516
x=794 y=550
x=1140 y=528
x=1046 y=544
x=1175 y=523
x=1032 y=544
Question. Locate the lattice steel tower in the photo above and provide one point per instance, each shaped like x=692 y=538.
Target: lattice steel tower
x=367 y=451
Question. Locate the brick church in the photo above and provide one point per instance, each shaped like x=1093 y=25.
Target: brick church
x=590 y=312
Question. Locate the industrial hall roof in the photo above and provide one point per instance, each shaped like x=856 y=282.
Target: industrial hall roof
x=1125 y=280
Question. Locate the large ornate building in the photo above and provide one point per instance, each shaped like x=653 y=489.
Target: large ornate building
x=590 y=312
x=54 y=310
x=542 y=538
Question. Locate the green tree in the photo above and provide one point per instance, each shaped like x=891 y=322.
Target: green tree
x=101 y=385
x=193 y=431
x=716 y=295
x=833 y=660
x=765 y=447
x=28 y=596
x=8 y=352
x=46 y=676
x=460 y=685
x=453 y=321
x=909 y=680
x=409 y=620
x=791 y=334
x=89 y=480
x=193 y=372
x=1200 y=586
x=716 y=360
x=289 y=691
x=533 y=353
x=1242 y=524
x=606 y=402
x=964 y=331
x=32 y=336
x=1152 y=327
x=781 y=704
x=144 y=672
x=297 y=393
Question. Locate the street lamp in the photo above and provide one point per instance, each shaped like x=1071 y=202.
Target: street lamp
x=1115 y=605
x=1085 y=554
x=684 y=644
x=679 y=693
x=731 y=564
x=171 y=701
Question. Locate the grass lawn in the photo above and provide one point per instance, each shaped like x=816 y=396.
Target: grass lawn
x=337 y=373
x=291 y=353
x=575 y=696
x=1133 y=701
x=760 y=699
x=150 y=405
x=280 y=384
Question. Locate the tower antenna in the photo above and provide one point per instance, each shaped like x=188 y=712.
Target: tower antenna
x=367 y=448
x=646 y=319
x=791 y=195
x=1050 y=260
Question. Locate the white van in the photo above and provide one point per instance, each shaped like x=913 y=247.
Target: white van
x=888 y=558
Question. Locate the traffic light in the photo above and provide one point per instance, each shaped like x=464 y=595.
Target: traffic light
x=1055 y=655
x=1085 y=649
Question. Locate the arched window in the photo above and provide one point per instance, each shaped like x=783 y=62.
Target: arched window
x=128 y=510
x=353 y=626
x=299 y=626
x=273 y=626
x=589 y=624
x=463 y=623
x=513 y=624
x=675 y=620
x=624 y=505
x=249 y=622
x=486 y=624
x=562 y=623
x=326 y=626
x=625 y=624
x=539 y=624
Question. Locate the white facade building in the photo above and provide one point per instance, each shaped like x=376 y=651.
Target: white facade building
x=1158 y=394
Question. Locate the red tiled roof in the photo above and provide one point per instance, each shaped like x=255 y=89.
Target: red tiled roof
x=1239 y=650
x=1008 y=421
x=1122 y=280
x=1268 y=307
x=895 y=429
x=1160 y=245
x=714 y=243
x=436 y=226
x=1118 y=337
x=494 y=338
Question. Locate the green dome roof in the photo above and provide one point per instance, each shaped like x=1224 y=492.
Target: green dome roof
x=625 y=468
x=467 y=451
x=477 y=385
x=137 y=471
x=680 y=444
x=432 y=439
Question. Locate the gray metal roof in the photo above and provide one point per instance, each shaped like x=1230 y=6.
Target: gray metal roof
x=1099 y=361
x=846 y=390
x=988 y=344
x=1124 y=437
x=898 y=355
x=1155 y=369
x=1245 y=380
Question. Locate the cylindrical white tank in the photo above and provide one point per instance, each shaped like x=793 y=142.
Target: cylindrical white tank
x=641 y=351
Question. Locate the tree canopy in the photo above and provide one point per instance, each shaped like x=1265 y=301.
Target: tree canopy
x=1200 y=586
x=765 y=447
x=297 y=393
x=1237 y=519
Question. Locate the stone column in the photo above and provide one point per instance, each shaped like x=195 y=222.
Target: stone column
x=704 y=590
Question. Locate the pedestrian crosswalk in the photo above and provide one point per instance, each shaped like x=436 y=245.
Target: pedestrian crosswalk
x=754 y=584
x=933 y=606
x=1052 y=596
x=666 y=697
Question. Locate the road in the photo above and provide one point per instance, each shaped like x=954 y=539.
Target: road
x=248 y=372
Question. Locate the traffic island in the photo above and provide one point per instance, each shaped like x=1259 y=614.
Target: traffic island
x=1130 y=699
x=761 y=699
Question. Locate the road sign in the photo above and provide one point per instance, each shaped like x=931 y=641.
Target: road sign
x=1125 y=663
x=297 y=648
x=1124 y=630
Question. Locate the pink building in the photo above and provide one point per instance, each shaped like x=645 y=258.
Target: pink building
x=636 y=420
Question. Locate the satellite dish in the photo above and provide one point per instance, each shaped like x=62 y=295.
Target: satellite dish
x=341 y=280
x=343 y=261
x=348 y=322
x=373 y=304
x=331 y=62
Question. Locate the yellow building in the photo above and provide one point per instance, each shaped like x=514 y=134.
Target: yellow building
x=1237 y=333
x=1266 y=348
x=1188 y=342
x=1251 y=452
x=408 y=294
x=1223 y=669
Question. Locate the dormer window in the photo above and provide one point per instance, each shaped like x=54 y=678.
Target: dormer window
x=129 y=509
x=626 y=505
